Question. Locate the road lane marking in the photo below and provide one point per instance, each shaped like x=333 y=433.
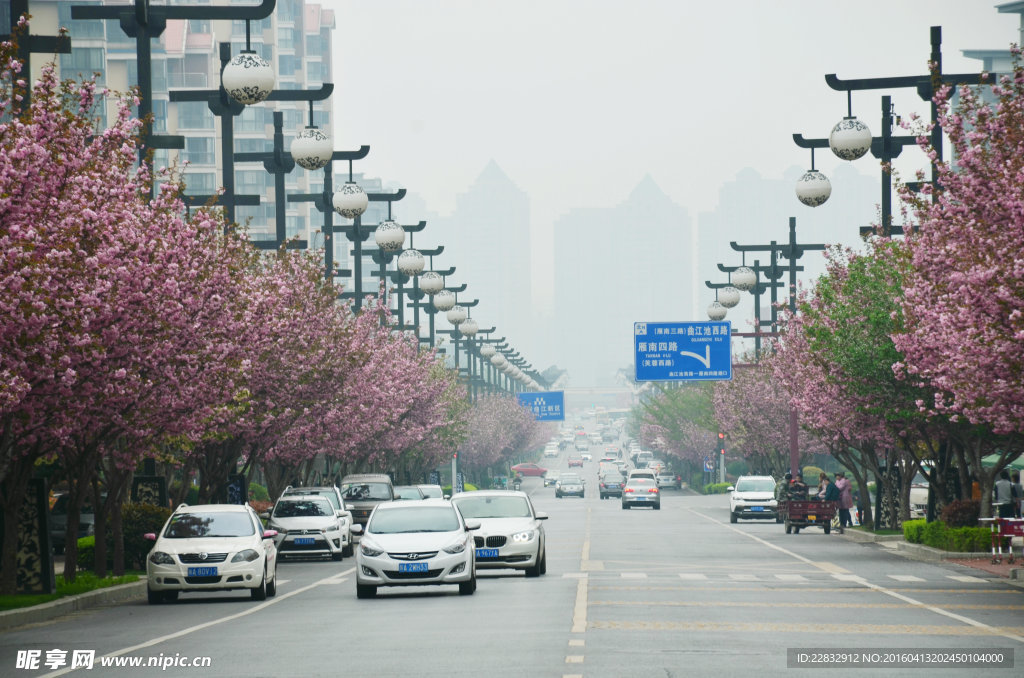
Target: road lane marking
x=579 y=612
x=577 y=642
x=633 y=575
x=1002 y=593
x=839 y=630
x=575 y=575
x=693 y=576
x=904 y=577
x=744 y=576
x=975 y=625
x=574 y=659
x=966 y=578
x=213 y=622
x=773 y=604
x=790 y=577
x=848 y=577
x=830 y=567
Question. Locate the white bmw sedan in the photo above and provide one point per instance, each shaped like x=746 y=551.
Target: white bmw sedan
x=511 y=533
x=213 y=547
x=413 y=543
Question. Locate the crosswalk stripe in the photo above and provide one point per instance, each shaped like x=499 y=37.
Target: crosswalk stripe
x=966 y=578
x=791 y=577
x=634 y=575
x=692 y=576
x=848 y=577
x=904 y=577
x=744 y=577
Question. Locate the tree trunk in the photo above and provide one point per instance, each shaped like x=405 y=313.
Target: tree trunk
x=99 y=565
x=13 y=490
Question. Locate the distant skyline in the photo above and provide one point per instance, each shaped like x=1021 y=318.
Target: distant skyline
x=577 y=102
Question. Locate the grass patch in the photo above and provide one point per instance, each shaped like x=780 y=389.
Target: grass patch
x=84 y=582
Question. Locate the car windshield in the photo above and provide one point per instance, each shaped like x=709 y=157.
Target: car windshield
x=366 y=491
x=303 y=508
x=407 y=493
x=640 y=483
x=755 y=485
x=432 y=492
x=414 y=519
x=494 y=507
x=213 y=524
x=327 y=493
x=569 y=478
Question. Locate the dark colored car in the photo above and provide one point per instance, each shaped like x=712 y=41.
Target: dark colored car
x=528 y=469
x=362 y=492
x=641 y=491
x=611 y=485
x=575 y=461
x=59 y=521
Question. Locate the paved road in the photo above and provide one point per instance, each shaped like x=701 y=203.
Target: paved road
x=676 y=592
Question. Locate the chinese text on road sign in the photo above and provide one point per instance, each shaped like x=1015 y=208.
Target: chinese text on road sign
x=683 y=351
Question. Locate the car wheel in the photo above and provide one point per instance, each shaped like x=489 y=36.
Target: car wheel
x=732 y=517
x=272 y=586
x=657 y=507
x=170 y=596
x=466 y=588
x=828 y=528
x=260 y=592
x=789 y=527
x=535 y=569
x=544 y=562
x=796 y=529
x=365 y=590
x=155 y=597
x=625 y=506
x=337 y=556
x=347 y=551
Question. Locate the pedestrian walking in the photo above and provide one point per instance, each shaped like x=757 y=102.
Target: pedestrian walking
x=1018 y=492
x=843 y=484
x=1002 y=495
x=822 y=484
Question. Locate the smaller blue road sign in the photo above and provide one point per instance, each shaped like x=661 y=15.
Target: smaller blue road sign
x=545 y=405
x=683 y=351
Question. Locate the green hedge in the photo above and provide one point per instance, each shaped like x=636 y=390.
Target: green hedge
x=467 y=487
x=955 y=539
x=716 y=488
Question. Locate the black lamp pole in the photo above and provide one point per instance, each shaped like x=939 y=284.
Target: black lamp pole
x=382 y=258
x=357 y=234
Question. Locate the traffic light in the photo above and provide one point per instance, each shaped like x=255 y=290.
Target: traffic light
x=721 y=443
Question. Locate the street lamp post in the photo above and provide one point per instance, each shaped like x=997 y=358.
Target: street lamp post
x=143 y=21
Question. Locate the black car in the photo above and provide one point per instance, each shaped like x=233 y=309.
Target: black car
x=611 y=485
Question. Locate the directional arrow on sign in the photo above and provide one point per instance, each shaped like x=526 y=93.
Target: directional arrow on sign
x=705 y=359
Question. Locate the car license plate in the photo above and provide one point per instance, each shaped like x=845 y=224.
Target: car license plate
x=641 y=498
x=202 y=571
x=812 y=517
x=412 y=567
x=756 y=508
x=305 y=541
x=487 y=553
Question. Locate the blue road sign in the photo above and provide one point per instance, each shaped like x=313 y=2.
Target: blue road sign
x=708 y=466
x=546 y=405
x=683 y=351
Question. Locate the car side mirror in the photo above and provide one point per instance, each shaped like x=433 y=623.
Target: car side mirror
x=541 y=515
x=339 y=513
x=472 y=525
x=447 y=496
x=149 y=536
x=730 y=489
x=269 y=534
x=357 y=529
x=265 y=515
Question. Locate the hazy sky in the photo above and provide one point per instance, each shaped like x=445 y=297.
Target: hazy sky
x=578 y=99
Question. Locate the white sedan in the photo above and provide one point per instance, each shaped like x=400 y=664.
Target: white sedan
x=413 y=543
x=511 y=532
x=213 y=547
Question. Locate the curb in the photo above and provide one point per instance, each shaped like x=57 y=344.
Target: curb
x=862 y=537
x=62 y=606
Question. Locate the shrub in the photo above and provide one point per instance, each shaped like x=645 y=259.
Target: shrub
x=468 y=487
x=258 y=492
x=716 y=488
x=934 y=535
x=136 y=520
x=811 y=474
x=961 y=513
x=913 y=530
x=969 y=539
x=87 y=554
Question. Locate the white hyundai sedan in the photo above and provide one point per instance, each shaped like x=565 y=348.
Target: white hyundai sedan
x=212 y=547
x=415 y=543
x=511 y=532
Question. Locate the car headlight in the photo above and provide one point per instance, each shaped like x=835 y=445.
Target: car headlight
x=160 y=558
x=520 y=537
x=247 y=556
x=368 y=550
x=342 y=522
x=332 y=528
x=457 y=547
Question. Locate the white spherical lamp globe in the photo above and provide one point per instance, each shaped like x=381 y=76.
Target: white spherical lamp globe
x=850 y=139
x=431 y=282
x=813 y=188
x=444 y=300
x=468 y=327
x=350 y=200
x=248 y=78
x=312 y=149
x=716 y=311
x=498 y=361
x=729 y=296
x=744 y=279
x=456 y=315
x=487 y=351
x=389 y=236
x=411 y=262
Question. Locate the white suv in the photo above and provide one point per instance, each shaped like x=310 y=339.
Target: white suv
x=307 y=525
x=753 y=497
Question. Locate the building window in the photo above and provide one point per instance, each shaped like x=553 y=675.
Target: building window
x=250 y=182
x=287 y=64
x=316 y=44
x=252 y=146
x=253 y=119
x=200 y=150
x=200 y=183
x=159 y=116
x=316 y=71
x=82 y=28
x=295 y=226
x=84 y=61
x=194 y=115
x=288 y=10
x=286 y=38
x=198 y=25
